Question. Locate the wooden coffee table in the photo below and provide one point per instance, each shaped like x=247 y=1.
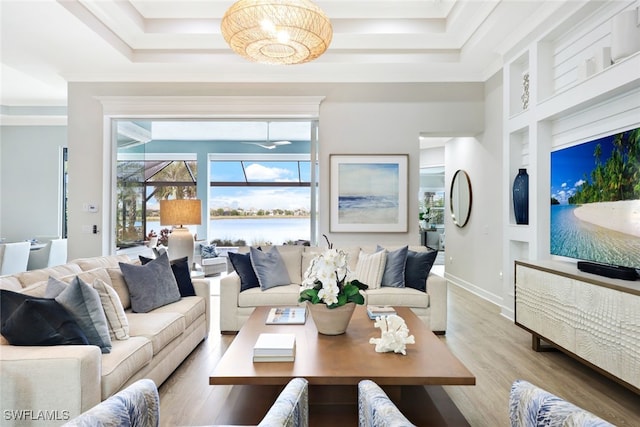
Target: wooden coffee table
x=334 y=365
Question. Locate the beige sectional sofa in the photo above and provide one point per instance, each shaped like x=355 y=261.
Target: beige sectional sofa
x=237 y=306
x=64 y=381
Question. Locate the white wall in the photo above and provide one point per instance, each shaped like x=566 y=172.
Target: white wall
x=31 y=181
x=354 y=119
x=474 y=252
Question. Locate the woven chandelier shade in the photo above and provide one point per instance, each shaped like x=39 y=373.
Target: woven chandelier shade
x=277 y=31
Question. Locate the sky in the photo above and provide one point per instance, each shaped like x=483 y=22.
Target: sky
x=260 y=197
x=569 y=166
x=368 y=179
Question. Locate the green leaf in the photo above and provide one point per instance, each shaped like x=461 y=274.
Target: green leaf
x=359 y=285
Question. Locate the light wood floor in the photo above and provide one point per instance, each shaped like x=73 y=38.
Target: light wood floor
x=492 y=347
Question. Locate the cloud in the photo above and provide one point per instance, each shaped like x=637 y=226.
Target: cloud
x=580 y=182
x=258 y=172
x=564 y=185
x=261 y=198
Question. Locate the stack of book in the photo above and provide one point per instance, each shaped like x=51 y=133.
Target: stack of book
x=275 y=348
x=375 y=311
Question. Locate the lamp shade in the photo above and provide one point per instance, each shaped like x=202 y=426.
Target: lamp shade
x=180 y=212
x=277 y=31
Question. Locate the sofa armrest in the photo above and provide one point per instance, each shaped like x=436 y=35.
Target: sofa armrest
x=202 y=288
x=229 y=293
x=437 y=290
x=61 y=381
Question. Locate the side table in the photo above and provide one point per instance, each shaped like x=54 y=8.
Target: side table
x=214 y=266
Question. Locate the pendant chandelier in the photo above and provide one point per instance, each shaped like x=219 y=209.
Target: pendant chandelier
x=277 y=31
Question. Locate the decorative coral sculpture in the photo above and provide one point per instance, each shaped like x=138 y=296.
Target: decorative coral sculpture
x=395 y=335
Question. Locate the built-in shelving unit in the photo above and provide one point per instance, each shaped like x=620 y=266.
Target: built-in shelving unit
x=574 y=94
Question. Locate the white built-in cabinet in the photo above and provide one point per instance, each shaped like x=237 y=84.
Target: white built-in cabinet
x=574 y=95
x=596 y=320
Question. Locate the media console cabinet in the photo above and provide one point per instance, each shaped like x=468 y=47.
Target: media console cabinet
x=593 y=319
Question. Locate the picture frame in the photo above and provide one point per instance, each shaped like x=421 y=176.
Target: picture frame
x=369 y=193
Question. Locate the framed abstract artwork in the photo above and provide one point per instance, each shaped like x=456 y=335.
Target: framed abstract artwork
x=369 y=193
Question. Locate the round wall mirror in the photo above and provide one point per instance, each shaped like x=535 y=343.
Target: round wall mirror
x=460 y=198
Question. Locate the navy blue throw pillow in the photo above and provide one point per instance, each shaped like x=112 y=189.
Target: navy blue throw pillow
x=182 y=273
x=418 y=267
x=242 y=264
x=35 y=321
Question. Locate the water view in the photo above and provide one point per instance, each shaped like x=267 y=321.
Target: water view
x=253 y=230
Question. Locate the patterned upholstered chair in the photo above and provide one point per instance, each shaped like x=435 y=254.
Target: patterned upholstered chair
x=375 y=409
x=136 y=406
x=291 y=408
x=532 y=406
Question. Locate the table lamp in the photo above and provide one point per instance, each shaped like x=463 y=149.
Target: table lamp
x=178 y=213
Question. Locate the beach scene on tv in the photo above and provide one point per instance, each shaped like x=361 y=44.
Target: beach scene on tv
x=595 y=200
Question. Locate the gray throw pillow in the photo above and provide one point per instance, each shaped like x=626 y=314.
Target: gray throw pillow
x=394 y=268
x=151 y=285
x=269 y=268
x=54 y=287
x=83 y=303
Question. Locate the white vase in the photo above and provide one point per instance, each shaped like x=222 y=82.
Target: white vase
x=331 y=321
x=625 y=34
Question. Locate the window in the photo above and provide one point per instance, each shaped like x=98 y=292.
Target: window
x=255 y=175
x=140 y=186
x=260 y=202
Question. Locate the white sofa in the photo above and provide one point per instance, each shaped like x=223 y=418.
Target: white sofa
x=66 y=380
x=236 y=306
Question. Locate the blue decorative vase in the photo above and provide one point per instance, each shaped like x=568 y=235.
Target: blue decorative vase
x=521 y=197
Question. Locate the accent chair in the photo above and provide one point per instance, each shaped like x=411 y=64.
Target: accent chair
x=531 y=406
x=375 y=409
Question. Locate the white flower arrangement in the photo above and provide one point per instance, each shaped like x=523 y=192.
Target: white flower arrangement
x=328 y=280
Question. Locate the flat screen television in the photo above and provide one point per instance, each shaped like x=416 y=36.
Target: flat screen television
x=595 y=201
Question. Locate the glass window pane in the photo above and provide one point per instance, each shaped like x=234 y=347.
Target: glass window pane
x=272 y=171
x=259 y=215
x=226 y=171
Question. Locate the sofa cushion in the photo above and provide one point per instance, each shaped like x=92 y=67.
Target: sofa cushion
x=280 y=295
x=394 y=267
x=269 y=267
x=418 y=267
x=118 y=283
x=181 y=272
x=83 y=303
x=190 y=307
x=34 y=321
x=37 y=289
x=370 y=268
x=151 y=285
x=113 y=310
x=10 y=283
x=403 y=297
x=127 y=358
x=159 y=328
x=90 y=276
x=108 y=261
x=242 y=265
x=29 y=277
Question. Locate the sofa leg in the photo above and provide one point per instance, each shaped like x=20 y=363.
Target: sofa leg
x=229 y=332
x=439 y=332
